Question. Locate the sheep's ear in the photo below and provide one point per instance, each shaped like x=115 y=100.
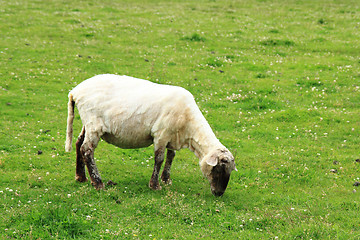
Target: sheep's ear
x=212 y=161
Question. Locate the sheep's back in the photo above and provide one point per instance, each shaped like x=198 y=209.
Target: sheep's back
x=127 y=108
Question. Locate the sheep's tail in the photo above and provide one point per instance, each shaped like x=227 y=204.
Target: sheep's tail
x=70 y=120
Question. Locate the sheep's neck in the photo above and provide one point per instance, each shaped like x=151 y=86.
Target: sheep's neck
x=203 y=141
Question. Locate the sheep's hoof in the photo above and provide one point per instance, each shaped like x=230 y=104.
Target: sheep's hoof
x=81 y=178
x=98 y=186
x=154 y=186
x=167 y=181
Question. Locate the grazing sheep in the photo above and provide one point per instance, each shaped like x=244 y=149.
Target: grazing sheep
x=133 y=113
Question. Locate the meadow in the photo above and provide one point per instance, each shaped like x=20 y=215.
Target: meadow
x=278 y=81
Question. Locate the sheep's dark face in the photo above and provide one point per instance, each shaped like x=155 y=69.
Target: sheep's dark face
x=217 y=167
x=219 y=180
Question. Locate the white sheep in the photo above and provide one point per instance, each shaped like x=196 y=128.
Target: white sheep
x=134 y=113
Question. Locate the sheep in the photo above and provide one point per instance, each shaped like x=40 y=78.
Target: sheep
x=134 y=113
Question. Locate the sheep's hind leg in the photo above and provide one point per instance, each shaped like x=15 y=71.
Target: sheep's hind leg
x=87 y=150
x=165 y=176
x=159 y=158
x=80 y=161
x=92 y=169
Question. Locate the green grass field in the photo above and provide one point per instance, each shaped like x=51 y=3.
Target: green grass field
x=278 y=82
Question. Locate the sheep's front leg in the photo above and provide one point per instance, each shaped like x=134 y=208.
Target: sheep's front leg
x=159 y=158
x=165 y=176
x=80 y=161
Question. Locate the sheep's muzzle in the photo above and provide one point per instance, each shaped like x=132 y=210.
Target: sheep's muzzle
x=219 y=181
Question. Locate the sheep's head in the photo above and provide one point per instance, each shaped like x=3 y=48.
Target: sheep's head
x=217 y=167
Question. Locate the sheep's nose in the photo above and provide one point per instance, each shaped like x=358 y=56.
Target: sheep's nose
x=217 y=193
